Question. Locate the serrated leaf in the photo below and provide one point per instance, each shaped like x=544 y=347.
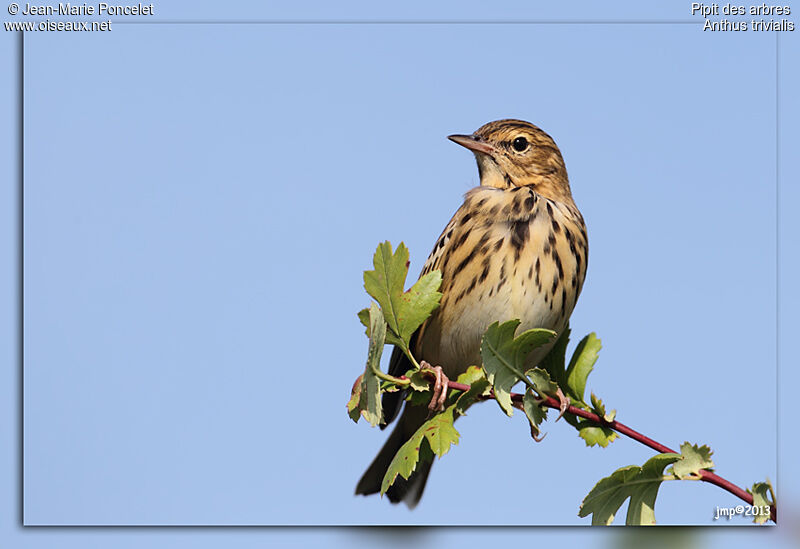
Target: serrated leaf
x=761 y=500
x=419 y=302
x=554 y=361
x=541 y=380
x=418 y=380
x=534 y=412
x=368 y=394
x=418 y=398
x=353 y=409
x=437 y=434
x=385 y=283
x=694 y=458
x=471 y=375
x=404 y=311
x=641 y=508
x=479 y=385
x=600 y=409
x=581 y=364
x=504 y=357
x=440 y=432
x=640 y=484
x=594 y=434
x=404 y=462
x=363 y=316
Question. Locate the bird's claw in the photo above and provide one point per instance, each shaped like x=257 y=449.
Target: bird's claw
x=440 y=385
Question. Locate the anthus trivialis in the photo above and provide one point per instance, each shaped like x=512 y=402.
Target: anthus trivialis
x=516 y=248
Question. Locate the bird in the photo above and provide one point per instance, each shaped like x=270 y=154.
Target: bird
x=516 y=248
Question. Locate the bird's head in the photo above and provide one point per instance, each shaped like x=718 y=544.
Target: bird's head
x=515 y=153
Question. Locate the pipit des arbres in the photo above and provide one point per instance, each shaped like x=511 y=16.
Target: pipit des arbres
x=516 y=248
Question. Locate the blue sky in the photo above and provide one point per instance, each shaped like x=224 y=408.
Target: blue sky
x=200 y=202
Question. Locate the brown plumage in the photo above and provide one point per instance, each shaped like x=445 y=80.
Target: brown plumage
x=516 y=248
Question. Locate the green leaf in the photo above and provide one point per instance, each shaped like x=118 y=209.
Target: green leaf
x=534 y=412
x=541 y=380
x=385 y=283
x=440 y=432
x=418 y=380
x=404 y=462
x=693 y=459
x=418 y=398
x=363 y=316
x=436 y=435
x=600 y=409
x=366 y=398
x=581 y=365
x=641 y=509
x=553 y=362
x=418 y=303
x=479 y=386
x=353 y=409
x=640 y=484
x=473 y=374
x=761 y=500
x=404 y=311
x=504 y=357
x=594 y=434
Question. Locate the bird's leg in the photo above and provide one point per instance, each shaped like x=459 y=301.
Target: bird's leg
x=440 y=386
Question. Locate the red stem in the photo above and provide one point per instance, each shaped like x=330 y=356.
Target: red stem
x=623 y=429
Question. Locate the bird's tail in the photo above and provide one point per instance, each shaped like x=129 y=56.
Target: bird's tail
x=409 y=491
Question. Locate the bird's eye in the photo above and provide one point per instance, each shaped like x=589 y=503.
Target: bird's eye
x=520 y=144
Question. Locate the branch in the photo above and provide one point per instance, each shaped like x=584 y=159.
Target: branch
x=705 y=475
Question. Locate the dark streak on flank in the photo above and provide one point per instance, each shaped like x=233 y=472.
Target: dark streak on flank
x=464 y=263
x=557 y=259
x=563 y=302
x=555 y=285
x=520 y=231
x=556 y=226
x=530 y=272
x=502 y=275
x=480 y=203
x=471 y=287
x=485 y=272
x=482 y=246
x=500 y=284
x=498 y=244
x=461 y=239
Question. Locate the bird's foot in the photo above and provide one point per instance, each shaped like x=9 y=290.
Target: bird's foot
x=440 y=386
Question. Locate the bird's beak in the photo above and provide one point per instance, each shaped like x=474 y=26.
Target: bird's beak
x=472 y=142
